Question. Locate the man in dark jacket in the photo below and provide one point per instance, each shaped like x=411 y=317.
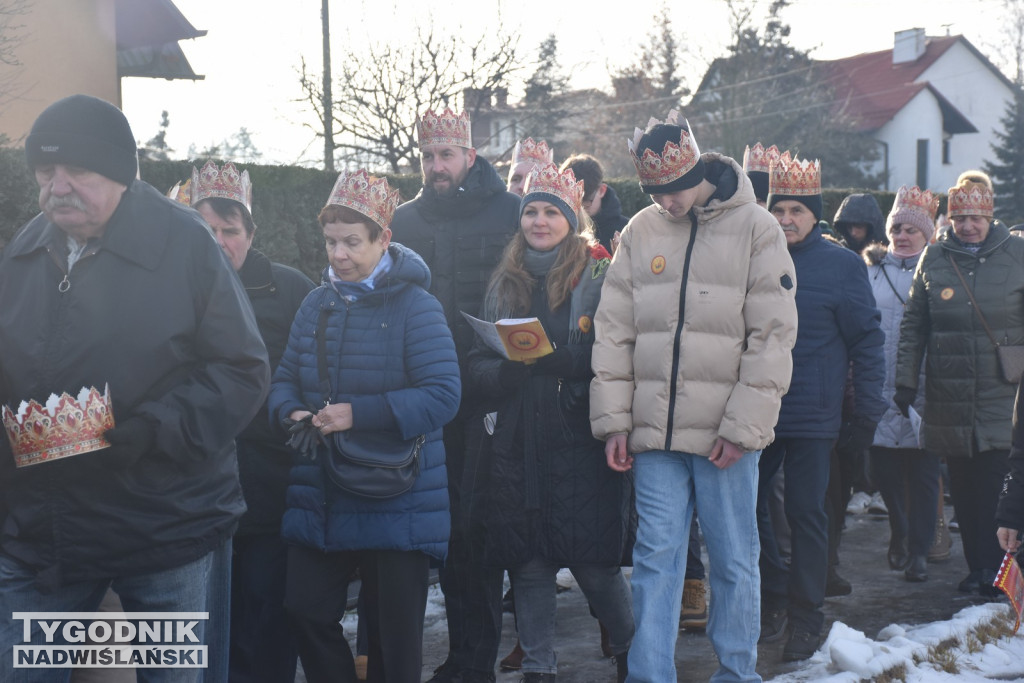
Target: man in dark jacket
x=599 y=201
x=261 y=648
x=838 y=324
x=459 y=223
x=115 y=285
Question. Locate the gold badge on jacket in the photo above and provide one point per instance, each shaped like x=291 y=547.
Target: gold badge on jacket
x=658 y=264
x=946 y=294
x=585 y=324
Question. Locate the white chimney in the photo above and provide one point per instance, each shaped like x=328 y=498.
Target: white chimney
x=908 y=46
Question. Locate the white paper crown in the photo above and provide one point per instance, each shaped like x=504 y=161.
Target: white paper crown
x=65 y=426
x=675 y=160
x=537 y=152
x=563 y=184
x=792 y=176
x=445 y=128
x=759 y=159
x=971 y=199
x=225 y=183
x=367 y=194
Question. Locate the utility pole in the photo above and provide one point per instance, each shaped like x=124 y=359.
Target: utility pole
x=328 y=104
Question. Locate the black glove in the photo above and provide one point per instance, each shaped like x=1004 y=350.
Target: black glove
x=512 y=374
x=856 y=436
x=903 y=398
x=558 y=363
x=304 y=436
x=129 y=441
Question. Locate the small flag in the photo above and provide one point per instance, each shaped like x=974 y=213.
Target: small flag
x=1010 y=581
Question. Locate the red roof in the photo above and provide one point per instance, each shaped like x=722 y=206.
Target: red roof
x=871 y=90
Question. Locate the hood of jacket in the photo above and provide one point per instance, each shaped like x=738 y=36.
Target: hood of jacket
x=407 y=268
x=481 y=184
x=875 y=254
x=732 y=187
x=860 y=208
x=997 y=234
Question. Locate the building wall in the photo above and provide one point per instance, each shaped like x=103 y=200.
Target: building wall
x=66 y=47
x=919 y=119
x=979 y=94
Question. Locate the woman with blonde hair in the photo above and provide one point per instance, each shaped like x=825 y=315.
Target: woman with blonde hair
x=552 y=502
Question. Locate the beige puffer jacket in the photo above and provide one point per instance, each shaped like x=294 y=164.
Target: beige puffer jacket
x=724 y=370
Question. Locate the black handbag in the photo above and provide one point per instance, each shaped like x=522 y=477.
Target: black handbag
x=366 y=463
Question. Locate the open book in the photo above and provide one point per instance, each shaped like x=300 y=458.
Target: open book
x=521 y=339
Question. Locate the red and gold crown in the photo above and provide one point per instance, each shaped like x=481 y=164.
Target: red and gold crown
x=446 y=128
x=65 y=426
x=225 y=182
x=759 y=159
x=537 y=152
x=788 y=176
x=915 y=199
x=675 y=160
x=181 y=193
x=971 y=199
x=563 y=185
x=367 y=194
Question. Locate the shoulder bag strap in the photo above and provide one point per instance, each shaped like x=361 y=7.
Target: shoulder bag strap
x=974 y=303
x=321 y=356
x=891 y=285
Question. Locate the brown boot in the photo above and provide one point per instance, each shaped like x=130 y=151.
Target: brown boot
x=694 y=615
x=514 y=660
x=361 y=661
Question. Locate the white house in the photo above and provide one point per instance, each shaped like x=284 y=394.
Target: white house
x=932 y=104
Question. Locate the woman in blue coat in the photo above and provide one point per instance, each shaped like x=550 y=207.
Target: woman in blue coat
x=390 y=366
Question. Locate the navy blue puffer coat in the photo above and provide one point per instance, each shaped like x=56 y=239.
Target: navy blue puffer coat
x=391 y=356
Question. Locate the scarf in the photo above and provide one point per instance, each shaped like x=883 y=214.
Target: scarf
x=351 y=291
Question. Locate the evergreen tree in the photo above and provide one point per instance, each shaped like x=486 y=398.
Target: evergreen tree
x=1007 y=171
x=156 y=147
x=542 y=103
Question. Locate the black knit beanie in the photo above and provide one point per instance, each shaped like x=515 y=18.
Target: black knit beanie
x=759 y=179
x=654 y=139
x=811 y=201
x=87 y=132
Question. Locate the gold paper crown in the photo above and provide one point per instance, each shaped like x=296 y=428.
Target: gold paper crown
x=225 y=182
x=367 y=194
x=675 y=160
x=528 y=150
x=915 y=199
x=66 y=426
x=446 y=128
x=794 y=177
x=759 y=159
x=181 y=192
x=563 y=185
x=971 y=199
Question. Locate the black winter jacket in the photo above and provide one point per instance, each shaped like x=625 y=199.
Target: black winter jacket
x=275 y=291
x=860 y=208
x=609 y=218
x=461 y=238
x=549 y=492
x=154 y=310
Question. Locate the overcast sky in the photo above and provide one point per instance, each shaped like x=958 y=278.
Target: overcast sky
x=253 y=50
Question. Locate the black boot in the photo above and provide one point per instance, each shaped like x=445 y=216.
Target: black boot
x=917 y=570
x=621 y=667
x=538 y=677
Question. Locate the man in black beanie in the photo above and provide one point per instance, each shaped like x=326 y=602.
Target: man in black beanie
x=114 y=285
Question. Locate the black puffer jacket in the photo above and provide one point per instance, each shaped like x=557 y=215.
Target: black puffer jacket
x=154 y=310
x=461 y=238
x=860 y=208
x=609 y=218
x=276 y=291
x=1010 y=513
x=549 y=492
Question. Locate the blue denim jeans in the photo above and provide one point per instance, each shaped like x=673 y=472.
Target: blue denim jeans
x=605 y=589
x=181 y=589
x=669 y=486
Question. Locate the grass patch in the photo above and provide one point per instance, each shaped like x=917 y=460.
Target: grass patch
x=896 y=673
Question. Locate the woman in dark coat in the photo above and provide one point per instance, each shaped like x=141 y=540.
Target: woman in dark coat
x=968 y=405
x=552 y=502
x=390 y=366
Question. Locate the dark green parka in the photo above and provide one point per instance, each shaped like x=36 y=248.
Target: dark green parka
x=968 y=405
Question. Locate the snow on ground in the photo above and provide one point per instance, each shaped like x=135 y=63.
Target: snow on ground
x=848 y=655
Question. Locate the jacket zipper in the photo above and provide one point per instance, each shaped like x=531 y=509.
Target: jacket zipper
x=677 y=343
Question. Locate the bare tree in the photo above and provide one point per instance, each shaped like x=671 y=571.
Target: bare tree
x=380 y=90
x=11 y=27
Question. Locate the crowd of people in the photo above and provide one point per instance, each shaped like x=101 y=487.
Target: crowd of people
x=723 y=358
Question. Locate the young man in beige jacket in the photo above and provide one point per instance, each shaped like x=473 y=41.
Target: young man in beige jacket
x=694 y=332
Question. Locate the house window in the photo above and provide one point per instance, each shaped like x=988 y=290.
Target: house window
x=922 y=163
x=945 y=151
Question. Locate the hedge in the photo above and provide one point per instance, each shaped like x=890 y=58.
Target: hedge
x=286 y=201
